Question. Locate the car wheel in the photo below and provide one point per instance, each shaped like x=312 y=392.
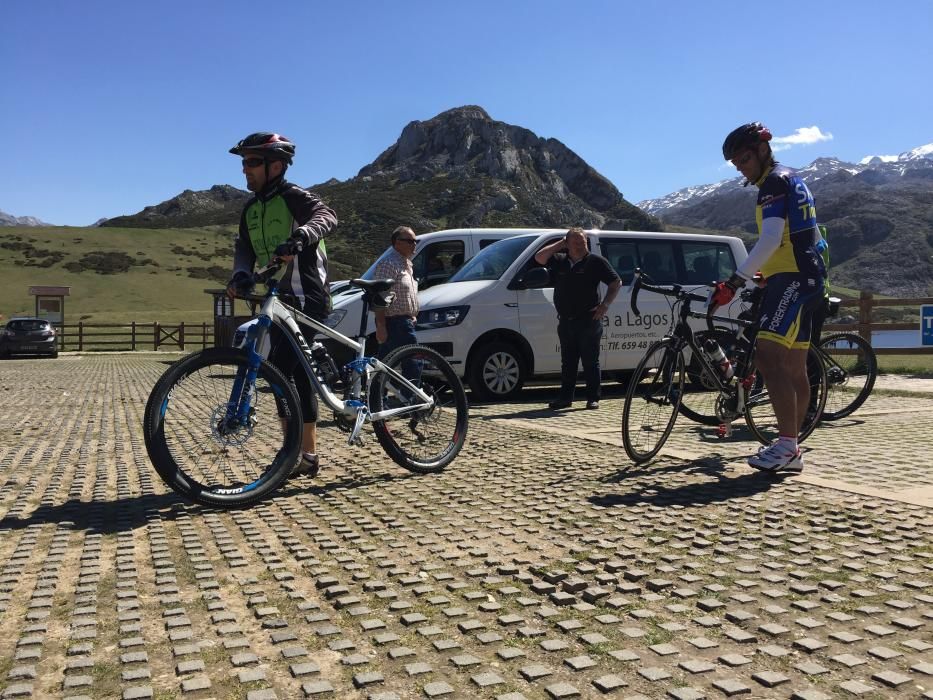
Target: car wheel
x=497 y=372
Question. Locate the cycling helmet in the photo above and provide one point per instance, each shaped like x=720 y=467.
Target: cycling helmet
x=746 y=136
x=270 y=146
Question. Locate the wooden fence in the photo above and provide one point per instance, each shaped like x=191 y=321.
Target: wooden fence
x=134 y=336
x=866 y=303
x=152 y=336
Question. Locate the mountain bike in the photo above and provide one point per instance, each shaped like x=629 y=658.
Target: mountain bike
x=223 y=426
x=657 y=387
x=848 y=359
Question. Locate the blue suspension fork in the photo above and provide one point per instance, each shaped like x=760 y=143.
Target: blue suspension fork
x=240 y=403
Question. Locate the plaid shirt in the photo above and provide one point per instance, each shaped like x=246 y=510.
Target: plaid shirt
x=397 y=267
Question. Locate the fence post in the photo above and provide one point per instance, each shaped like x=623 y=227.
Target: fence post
x=80 y=336
x=204 y=335
x=155 y=335
x=133 y=335
x=865 y=304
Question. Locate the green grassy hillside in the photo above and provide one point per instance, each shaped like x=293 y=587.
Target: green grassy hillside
x=117 y=275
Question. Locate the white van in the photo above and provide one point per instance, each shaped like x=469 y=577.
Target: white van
x=498 y=333
x=437 y=256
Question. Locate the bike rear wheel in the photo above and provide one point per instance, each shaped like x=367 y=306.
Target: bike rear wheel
x=652 y=401
x=851 y=370
x=426 y=440
x=759 y=413
x=204 y=455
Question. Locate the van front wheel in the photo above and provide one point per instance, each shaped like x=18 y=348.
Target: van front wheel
x=497 y=372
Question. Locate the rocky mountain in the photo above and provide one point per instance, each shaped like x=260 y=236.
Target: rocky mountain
x=879 y=213
x=221 y=204
x=460 y=168
x=10 y=220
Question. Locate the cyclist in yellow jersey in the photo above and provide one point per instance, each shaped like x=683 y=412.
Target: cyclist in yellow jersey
x=794 y=273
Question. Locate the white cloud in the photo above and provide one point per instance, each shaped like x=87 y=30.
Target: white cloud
x=803 y=136
x=885 y=159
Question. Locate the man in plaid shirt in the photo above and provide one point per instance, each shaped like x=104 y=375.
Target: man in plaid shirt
x=395 y=325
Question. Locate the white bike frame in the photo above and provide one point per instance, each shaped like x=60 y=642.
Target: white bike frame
x=285 y=317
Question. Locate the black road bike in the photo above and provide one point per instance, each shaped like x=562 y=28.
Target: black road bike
x=848 y=359
x=658 y=385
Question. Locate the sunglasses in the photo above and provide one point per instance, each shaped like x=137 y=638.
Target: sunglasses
x=407 y=240
x=253 y=162
x=743 y=160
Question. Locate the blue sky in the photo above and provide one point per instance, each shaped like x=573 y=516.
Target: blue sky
x=108 y=107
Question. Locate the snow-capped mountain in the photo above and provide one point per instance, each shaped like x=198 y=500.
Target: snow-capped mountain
x=878 y=213
x=920 y=158
x=10 y=220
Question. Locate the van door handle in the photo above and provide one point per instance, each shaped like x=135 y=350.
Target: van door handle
x=512 y=304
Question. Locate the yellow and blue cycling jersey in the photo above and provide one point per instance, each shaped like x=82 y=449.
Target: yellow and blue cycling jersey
x=783 y=194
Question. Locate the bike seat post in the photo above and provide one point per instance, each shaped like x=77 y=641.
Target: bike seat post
x=364 y=317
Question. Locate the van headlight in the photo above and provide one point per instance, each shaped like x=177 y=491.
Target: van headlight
x=442 y=317
x=335 y=318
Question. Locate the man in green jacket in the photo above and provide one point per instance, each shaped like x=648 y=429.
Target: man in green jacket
x=284 y=220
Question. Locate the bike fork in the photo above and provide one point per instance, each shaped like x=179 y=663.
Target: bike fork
x=241 y=396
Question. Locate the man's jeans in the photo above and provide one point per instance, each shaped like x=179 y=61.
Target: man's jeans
x=579 y=342
x=401 y=331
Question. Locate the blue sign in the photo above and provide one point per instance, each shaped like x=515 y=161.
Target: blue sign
x=926 y=324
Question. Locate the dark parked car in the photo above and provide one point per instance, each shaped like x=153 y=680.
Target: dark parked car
x=28 y=336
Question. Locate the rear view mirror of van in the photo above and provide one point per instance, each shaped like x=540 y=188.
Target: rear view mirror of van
x=535 y=278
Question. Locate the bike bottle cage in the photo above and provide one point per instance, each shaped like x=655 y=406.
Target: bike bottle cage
x=376 y=292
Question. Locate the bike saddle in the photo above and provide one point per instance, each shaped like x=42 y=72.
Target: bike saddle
x=372 y=286
x=376 y=292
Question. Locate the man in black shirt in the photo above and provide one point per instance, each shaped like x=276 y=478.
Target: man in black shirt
x=576 y=274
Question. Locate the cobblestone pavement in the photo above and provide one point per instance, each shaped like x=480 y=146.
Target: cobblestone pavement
x=541 y=564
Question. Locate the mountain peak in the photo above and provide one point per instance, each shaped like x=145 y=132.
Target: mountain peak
x=465 y=142
x=10 y=220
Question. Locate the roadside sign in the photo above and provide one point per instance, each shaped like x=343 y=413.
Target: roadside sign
x=926 y=324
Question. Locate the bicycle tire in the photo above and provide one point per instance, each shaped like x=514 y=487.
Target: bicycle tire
x=652 y=401
x=851 y=370
x=700 y=394
x=426 y=441
x=759 y=414
x=189 y=447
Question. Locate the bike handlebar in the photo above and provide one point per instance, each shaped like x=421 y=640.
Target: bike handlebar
x=674 y=290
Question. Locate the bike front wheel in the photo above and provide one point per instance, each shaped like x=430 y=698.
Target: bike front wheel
x=421 y=440
x=851 y=370
x=759 y=413
x=199 y=445
x=652 y=401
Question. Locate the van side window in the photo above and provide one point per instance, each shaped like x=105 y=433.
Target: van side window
x=487 y=241
x=707 y=262
x=622 y=256
x=657 y=258
x=435 y=263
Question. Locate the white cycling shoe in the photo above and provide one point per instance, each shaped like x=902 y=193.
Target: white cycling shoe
x=776 y=458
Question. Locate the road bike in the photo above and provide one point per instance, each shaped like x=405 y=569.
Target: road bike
x=658 y=386
x=223 y=426
x=847 y=358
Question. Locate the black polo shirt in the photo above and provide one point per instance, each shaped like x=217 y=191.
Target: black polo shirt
x=576 y=285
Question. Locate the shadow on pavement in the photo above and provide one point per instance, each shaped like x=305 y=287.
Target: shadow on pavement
x=105 y=517
x=723 y=489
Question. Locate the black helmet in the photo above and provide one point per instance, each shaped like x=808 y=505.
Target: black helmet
x=270 y=146
x=746 y=136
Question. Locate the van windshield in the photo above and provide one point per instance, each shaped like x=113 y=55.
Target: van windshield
x=492 y=262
